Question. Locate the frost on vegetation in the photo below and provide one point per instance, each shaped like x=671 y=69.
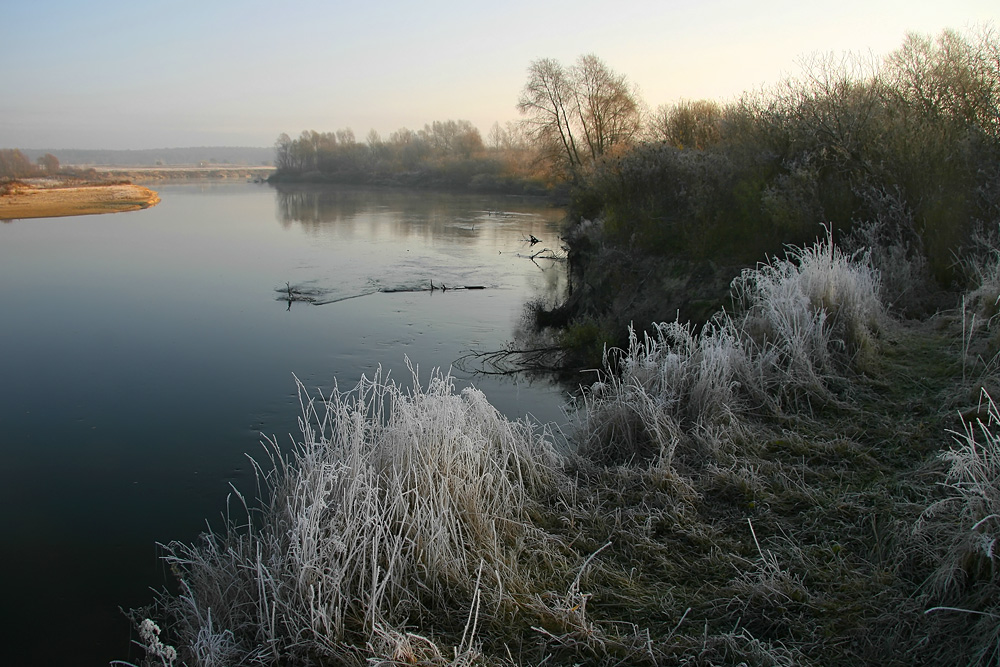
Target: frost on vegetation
x=817 y=301
x=981 y=306
x=739 y=647
x=893 y=247
x=983 y=267
x=670 y=384
x=157 y=653
x=966 y=523
x=802 y=321
x=396 y=506
x=958 y=535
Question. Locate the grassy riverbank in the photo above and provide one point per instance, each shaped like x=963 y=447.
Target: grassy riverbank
x=782 y=487
x=800 y=469
x=52 y=197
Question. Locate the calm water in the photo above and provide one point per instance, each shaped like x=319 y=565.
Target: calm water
x=144 y=353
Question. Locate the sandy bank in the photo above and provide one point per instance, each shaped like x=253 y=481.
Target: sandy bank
x=47 y=200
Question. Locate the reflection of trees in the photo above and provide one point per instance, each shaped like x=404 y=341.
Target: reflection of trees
x=313 y=206
x=399 y=213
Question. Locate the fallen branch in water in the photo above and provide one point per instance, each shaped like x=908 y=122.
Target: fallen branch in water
x=433 y=288
x=317 y=297
x=512 y=361
x=296 y=293
x=545 y=253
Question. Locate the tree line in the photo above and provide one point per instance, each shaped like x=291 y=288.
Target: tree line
x=15 y=164
x=572 y=116
x=903 y=148
x=910 y=141
x=899 y=156
x=449 y=154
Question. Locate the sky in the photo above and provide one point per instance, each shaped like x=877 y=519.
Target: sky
x=178 y=73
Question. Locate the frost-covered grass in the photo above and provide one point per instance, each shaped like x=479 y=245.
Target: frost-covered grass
x=802 y=322
x=960 y=533
x=810 y=306
x=972 y=503
x=769 y=489
x=670 y=385
x=397 y=509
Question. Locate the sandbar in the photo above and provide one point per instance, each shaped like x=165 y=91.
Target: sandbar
x=50 y=201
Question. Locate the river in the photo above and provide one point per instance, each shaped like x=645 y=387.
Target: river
x=144 y=354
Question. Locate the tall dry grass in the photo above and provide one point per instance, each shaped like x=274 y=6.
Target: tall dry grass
x=959 y=534
x=816 y=308
x=397 y=510
x=802 y=321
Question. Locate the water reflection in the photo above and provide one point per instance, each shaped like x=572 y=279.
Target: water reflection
x=151 y=352
x=457 y=215
x=403 y=240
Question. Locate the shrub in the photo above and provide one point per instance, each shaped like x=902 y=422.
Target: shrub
x=894 y=248
x=920 y=123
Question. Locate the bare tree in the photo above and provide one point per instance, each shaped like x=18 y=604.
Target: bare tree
x=956 y=77
x=547 y=100
x=577 y=114
x=497 y=137
x=606 y=106
x=346 y=137
x=374 y=141
x=453 y=137
x=283 y=152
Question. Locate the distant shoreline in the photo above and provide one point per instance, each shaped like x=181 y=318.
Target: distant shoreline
x=187 y=173
x=52 y=198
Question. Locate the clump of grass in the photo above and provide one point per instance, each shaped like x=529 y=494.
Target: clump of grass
x=814 y=303
x=673 y=388
x=803 y=320
x=982 y=266
x=972 y=503
x=961 y=532
x=397 y=510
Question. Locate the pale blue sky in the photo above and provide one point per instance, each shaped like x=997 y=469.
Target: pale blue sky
x=167 y=73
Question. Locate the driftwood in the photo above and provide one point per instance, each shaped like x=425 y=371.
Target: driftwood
x=317 y=297
x=433 y=288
